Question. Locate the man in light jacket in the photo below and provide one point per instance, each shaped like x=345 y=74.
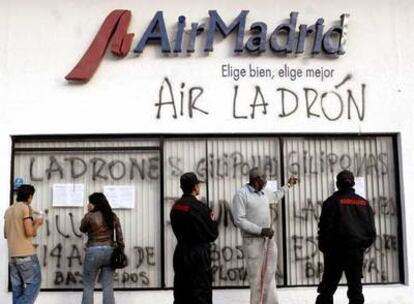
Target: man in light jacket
x=251 y=212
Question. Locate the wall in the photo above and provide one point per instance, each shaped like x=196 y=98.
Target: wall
x=41 y=42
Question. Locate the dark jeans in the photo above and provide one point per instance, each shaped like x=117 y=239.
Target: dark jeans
x=335 y=262
x=192 y=274
x=25 y=279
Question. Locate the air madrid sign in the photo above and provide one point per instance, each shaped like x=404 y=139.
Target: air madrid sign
x=287 y=38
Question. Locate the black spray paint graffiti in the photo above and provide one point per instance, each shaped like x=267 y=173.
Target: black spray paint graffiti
x=70 y=273
x=218 y=166
x=371 y=267
x=223 y=260
x=304 y=245
x=141 y=278
x=186 y=103
x=226 y=165
x=331 y=105
x=384 y=206
x=96 y=168
x=311 y=210
x=75 y=278
x=144 y=256
x=306 y=254
x=67 y=278
x=235 y=164
x=59 y=224
x=304 y=248
x=307 y=163
x=66 y=257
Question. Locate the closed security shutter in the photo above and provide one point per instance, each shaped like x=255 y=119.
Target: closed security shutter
x=224 y=165
x=228 y=165
x=141 y=179
x=64 y=174
x=180 y=156
x=317 y=161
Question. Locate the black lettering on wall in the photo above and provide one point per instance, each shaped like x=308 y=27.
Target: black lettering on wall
x=31 y=173
x=56 y=252
x=76 y=162
x=74 y=255
x=58 y=227
x=54 y=167
x=97 y=167
x=72 y=224
x=112 y=169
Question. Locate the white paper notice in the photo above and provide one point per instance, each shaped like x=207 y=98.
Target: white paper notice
x=68 y=195
x=271 y=185
x=120 y=197
x=359 y=187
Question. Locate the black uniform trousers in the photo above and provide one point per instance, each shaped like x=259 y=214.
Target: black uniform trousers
x=336 y=261
x=193 y=276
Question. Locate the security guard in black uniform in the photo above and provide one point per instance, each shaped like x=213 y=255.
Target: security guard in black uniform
x=194 y=227
x=346 y=230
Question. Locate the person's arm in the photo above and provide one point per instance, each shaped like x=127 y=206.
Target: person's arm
x=280 y=193
x=4 y=229
x=209 y=225
x=239 y=215
x=30 y=225
x=118 y=233
x=84 y=223
x=373 y=230
x=326 y=224
x=276 y=196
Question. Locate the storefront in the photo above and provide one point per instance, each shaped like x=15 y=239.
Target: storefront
x=304 y=89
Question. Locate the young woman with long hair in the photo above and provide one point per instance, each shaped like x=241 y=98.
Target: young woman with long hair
x=99 y=224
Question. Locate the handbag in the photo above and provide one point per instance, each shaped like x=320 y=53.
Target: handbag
x=119 y=259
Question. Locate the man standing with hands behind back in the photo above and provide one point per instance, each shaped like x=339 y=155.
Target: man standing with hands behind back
x=346 y=230
x=19 y=228
x=251 y=212
x=194 y=227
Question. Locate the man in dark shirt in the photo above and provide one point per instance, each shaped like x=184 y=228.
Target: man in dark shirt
x=194 y=227
x=346 y=230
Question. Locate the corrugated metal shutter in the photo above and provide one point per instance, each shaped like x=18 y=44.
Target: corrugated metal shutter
x=60 y=243
x=229 y=162
x=223 y=162
x=180 y=156
x=317 y=161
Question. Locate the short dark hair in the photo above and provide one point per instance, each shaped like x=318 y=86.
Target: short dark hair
x=24 y=192
x=345 y=180
x=188 y=181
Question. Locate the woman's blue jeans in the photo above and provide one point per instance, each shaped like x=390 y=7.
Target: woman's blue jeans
x=98 y=258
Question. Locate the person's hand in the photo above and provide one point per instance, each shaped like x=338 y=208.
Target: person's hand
x=90 y=207
x=39 y=221
x=292 y=181
x=267 y=232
